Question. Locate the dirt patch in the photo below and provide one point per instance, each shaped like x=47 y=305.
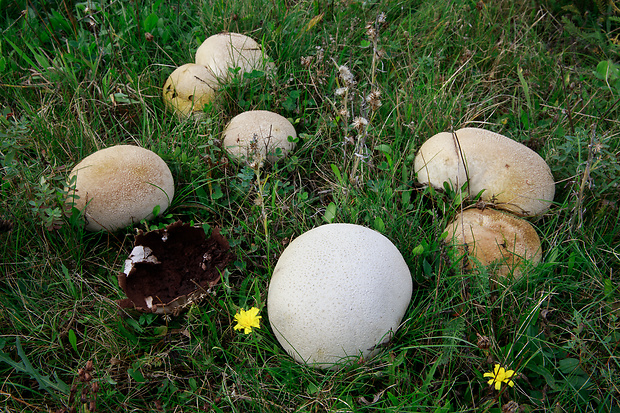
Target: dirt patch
x=172 y=267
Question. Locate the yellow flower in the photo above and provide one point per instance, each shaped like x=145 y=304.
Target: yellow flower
x=499 y=376
x=246 y=320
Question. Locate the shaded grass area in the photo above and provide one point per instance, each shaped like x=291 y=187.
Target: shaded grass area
x=76 y=78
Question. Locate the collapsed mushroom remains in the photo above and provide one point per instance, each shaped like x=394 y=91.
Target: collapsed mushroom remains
x=170 y=267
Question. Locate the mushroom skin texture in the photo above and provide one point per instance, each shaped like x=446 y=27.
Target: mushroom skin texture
x=513 y=177
x=222 y=51
x=188 y=89
x=119 y=186
x=490 y=237
x=338 y=293
x=256 y=135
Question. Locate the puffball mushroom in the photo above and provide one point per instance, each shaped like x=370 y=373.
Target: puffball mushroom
x=513 y=177
x=493 y=237
x=189 y=88
x=225 y=51
x=257 y=135
x=119 y=186
x=338 y=293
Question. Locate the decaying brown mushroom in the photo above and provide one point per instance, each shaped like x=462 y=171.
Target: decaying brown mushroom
x=496 y=239
x=170 y=268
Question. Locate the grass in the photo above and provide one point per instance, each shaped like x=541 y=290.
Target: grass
x=74 y=80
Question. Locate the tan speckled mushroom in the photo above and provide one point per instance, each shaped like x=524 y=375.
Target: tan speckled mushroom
x=225 y=51
x=513 y=177
x=500 y=239
x=337 y=293
x=258 y=134
x=120 y=186
x=189 y=88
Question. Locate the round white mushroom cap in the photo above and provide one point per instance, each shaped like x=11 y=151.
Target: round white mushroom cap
x=232 y=50
x=495 y=238
x=120 y=185
x=338 y=292
x=256 y=135
x=513 y=176
x=189 y=88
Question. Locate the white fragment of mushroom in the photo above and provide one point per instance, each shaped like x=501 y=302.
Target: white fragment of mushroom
x=119 y=186
x=222 y=53
x=256 y=135
x=512 y=176
x=189 y=88
x=338 y=293
x=139 y=254
x=503 y=242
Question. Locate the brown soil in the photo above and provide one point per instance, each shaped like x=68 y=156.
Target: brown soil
x=189 y=263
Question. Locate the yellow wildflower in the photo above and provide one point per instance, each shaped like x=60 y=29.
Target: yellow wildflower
x=499 y=376
x=246 y=320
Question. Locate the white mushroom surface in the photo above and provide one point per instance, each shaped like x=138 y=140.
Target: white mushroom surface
x=338 y=292
x=189 y=88
x=256 y=135
x=225 y=51
x=120 y=186
x=513 y=176
x=495 y=238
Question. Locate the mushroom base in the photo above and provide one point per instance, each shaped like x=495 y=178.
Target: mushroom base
x=172 y=267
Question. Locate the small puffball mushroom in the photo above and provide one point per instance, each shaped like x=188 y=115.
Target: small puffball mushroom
x=257 y=135
x=189 y=88
x=119 y=186
x=338 y=293
x=512 y=176
x=494 y=237
x=222 y=51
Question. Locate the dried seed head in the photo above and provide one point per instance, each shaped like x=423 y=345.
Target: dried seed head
x=373 y=100
x=359 y=123
x=381 y=19
x=89 y=365
x=346 y=75
x=371 y=32
x=341 y=91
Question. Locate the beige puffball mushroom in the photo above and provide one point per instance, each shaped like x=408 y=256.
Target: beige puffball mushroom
x=119 y=186
x=256 y=135
x=513 y=176
x=337 y=295
x=222 y=51
x=493 y=237
x=189 y=88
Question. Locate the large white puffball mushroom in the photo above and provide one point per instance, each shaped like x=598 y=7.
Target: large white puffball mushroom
x=337 y=293
x=513 y=176
x=225 y=51
x=119 y=186
x=189 y=88
x=256 y=135
x=495 y=238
